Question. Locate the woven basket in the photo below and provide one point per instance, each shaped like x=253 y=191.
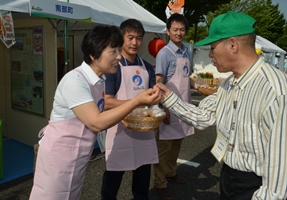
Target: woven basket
x=207 y=90
x=142 y=124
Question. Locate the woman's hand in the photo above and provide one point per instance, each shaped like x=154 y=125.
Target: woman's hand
x=151 y=96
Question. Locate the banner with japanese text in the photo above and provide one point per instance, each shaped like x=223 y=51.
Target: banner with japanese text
x=60 y=10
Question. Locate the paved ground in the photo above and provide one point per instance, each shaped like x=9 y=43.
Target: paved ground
x=202 y=181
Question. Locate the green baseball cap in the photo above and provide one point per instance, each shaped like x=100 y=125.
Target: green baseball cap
x=228 y=25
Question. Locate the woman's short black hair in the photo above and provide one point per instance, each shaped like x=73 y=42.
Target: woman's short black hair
x=176 y=17
x=98 y=38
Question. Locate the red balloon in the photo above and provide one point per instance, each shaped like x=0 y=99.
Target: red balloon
x=155 y=45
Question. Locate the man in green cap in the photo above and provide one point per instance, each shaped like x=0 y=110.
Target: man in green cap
x=249 y=110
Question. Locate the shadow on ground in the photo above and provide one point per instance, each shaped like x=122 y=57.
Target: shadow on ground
x=201 y=183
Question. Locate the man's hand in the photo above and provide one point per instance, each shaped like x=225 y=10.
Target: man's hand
x=193 y=84
x=165 y=92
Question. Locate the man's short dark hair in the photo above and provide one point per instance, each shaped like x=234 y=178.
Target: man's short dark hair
x=98 y=38
x=132 y=25
x=176 y=17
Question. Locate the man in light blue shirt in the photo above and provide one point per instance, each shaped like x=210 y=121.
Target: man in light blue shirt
x=172 y=69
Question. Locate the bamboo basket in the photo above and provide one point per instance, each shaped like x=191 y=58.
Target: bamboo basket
x=207 y=90
x=209 y=81
x=216 y=82
x=142 y=124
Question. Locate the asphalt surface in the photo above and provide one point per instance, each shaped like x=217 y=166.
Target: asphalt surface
x=202 y=174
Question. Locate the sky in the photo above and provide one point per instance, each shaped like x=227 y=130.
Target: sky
x=282 y=6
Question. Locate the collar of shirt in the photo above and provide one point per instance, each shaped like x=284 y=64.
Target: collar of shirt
x=176 y=49
x=248 y=75
x=126 y=62
x=91 y=75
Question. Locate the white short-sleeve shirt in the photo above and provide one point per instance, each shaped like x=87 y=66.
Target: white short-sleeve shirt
x=73 y=90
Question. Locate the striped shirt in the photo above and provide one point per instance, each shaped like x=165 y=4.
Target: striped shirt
x=252 y=110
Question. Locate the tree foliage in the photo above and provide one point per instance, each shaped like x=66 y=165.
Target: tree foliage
x=201 y=34
x=270 y=21
x=194 y=10
x=282 y=41
x=156 y=7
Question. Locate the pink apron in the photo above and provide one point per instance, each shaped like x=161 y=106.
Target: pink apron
x=180 y=85
x=127 y=149
x=63 y=156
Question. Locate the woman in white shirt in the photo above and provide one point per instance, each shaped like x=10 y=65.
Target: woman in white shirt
x=68 y=140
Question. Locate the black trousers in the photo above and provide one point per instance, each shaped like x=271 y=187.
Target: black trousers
x=238 y=185
x=140 y=183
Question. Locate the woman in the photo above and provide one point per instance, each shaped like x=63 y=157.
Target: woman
x=77 y=116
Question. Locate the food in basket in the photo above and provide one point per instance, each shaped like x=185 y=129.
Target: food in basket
x=144 y=119
x=207 y=78
x=216 y=81
x=207 y=83
x=207 y=90
x=147 y=112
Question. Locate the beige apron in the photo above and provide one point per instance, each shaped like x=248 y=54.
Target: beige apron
x=180 y=85
x=63 y=156
x=127 y=149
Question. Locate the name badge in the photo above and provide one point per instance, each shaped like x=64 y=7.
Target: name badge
x=220 y=146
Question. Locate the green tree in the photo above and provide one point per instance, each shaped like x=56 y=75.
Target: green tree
x=270 y=21
x=201 y=33
x=282 y=41
x=194 y=10
x=156 y=7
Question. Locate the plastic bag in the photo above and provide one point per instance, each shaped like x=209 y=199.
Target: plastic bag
x=153 y=111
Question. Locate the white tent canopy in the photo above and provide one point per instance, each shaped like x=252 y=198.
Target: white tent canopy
x=202 y=62
x=110 y=12
x=267 y=46
x=269 y=50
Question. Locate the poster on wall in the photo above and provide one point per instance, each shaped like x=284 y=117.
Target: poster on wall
x=27 y=84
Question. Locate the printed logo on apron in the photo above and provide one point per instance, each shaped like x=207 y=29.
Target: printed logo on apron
x=137 y=79
x=185 y=70
x=101 y=103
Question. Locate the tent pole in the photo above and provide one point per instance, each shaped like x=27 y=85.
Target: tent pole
x=66 y=45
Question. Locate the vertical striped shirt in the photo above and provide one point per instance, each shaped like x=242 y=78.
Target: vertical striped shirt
x=252 y=110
